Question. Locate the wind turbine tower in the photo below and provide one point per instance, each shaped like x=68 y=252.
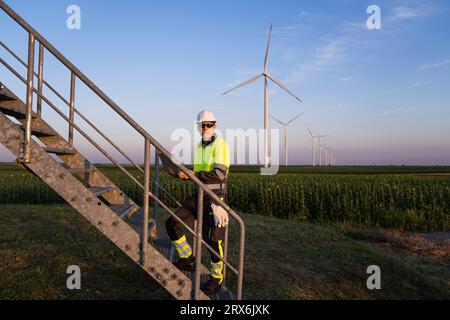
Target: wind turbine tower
x=321 y=147
x=286 y=142
x=314 y=137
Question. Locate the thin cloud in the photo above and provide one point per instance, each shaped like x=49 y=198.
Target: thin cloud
x=394 y=111
x=324 y=60
x=411 y=11
x=428 y=65
x=289 y=55
x=301 y=24
x=416 y=85
x=346 y=78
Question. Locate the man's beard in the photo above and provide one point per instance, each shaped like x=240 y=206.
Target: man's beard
x=207 y=136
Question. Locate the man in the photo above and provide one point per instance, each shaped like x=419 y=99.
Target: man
x=211 y=166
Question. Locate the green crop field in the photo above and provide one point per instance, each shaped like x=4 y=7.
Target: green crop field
x=415 y=199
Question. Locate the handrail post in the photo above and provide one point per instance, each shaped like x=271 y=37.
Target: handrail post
x=72 y=107
x=198 y=257
x=195 y=242
x=29 y=104
x=156 y=193
x=241 y=263
x=225 y=255
x=40 y=80
x=144 y=240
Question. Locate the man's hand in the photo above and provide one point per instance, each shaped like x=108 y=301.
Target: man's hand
x=221 y=218
x=184 y=176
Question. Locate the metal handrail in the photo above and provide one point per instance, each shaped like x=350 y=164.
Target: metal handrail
x=85 y=135
x=33 y=36
x=39 y=76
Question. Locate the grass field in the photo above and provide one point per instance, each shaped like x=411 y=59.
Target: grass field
x=410 y=198
x=284 y=260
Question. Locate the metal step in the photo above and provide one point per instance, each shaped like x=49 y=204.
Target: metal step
x=98 y=191
x=4 y=97
x=12 y=108
x=39 y=132
x=122 y=210
x=166 y=248
x=79 y=170
x=60 y=151
x=136 y=222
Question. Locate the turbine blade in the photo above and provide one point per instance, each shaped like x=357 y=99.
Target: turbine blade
x=244 y=83
x=296 y=118
x=310 y=132
x=281 y=86
x=266 y=60
x=277 y=120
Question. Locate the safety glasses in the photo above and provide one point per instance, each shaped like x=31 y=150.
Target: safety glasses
x=206 y=125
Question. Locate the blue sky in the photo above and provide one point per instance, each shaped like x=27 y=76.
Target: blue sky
x=382 y=95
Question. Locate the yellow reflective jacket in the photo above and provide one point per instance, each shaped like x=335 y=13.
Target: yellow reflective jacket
x=212 y=163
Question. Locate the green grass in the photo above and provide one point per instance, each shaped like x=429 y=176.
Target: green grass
x=409 y=201
x=38 y=243
x=305 y=261
x=284 y=260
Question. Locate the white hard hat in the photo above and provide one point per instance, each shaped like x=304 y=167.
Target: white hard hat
x=205 y=116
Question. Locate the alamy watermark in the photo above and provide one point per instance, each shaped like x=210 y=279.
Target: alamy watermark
x=73 y=22
x=246 y=147
x=74 y=280
x=374 y=20
x=374 y=280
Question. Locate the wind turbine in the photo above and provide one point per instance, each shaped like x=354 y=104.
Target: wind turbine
x=327 y=155
x=320 y=150
x=267 y=76
x=314 y=145
x=286 y=134
x=331 y=157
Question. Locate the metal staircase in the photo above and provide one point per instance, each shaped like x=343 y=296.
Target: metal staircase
x=55 y=160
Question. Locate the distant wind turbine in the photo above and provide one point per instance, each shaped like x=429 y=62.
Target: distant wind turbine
x=266 y=76
x=314 y=137
x=327 y=155
x=320 y=149
x=331 y=157
x=286 y=144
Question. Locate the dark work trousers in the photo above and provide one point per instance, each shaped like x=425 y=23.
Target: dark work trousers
x=188 y=214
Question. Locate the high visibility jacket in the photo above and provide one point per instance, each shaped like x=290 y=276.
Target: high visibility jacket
x=212 y=163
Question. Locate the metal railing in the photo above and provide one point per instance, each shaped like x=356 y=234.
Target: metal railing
x=76 y=74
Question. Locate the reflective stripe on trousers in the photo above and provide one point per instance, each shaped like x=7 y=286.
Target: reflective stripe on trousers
x=217 y=267
x=183 y=248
